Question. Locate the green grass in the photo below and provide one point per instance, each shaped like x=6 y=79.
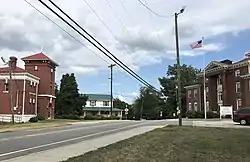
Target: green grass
x=177 y=144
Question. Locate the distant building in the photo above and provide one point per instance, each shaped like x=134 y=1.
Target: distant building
x=99 y=104
x=33 y=88
x=227 y=84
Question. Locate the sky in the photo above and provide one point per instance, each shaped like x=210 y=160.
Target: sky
x=143 y=40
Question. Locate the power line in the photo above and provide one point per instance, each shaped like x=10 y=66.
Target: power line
x=115 y=59
x=152 y=11
x=49 y=19
x=66 y=32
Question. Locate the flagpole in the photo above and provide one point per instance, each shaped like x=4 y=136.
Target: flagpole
x=204 y=84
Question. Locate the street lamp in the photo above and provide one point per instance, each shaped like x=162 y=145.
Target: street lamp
x=178 y=63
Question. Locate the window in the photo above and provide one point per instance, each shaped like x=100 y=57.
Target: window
x=219 y=81
x=189 y=106
x=195 y=106
x=237 y=73
x=237 y=87
x=220 y=96
x=6 y=86
x=34 y=100
x=36 y=68
x=189 y=93
x=195 y=93
x=207 y=89
x=51 y=89
x=30 y=100
x=239 y=103
x=249 y=85
x=31 y=83
x=105 y=103
x=207 y=105
x=92 y=103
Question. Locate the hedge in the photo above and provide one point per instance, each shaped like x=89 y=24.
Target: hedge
x=201 y=114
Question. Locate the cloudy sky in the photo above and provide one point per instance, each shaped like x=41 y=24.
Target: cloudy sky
x=142 y=40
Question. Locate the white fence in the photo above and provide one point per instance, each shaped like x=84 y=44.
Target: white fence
x=6 y=118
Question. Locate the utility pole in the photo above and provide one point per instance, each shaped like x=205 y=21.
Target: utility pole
x=10 y=89
x=111 y=87
x=142 y=102
x=178 y=65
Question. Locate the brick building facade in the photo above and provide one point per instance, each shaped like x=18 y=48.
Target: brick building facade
x=32 y=88
x=227 y=84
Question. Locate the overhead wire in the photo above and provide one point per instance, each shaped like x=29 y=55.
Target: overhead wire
x=115 y=59
x=152 y=11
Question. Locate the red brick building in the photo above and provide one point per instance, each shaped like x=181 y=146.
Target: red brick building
x=227 y=84
x=32 y=88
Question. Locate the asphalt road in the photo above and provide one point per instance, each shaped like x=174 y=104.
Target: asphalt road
x=14 y=144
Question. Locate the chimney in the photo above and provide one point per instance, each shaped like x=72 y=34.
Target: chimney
x=247 y=54
x=13 y=61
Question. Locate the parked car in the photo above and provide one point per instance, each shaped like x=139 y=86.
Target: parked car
x=242 y=116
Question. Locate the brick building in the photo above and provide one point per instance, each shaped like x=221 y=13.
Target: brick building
x=227 y=84
x=32 y=88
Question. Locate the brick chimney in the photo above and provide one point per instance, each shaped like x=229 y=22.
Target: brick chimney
x=13 y=61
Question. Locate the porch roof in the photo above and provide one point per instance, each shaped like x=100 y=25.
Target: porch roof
x=100 y=109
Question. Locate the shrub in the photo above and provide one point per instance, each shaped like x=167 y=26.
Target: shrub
x=39 y=117
x=211 y=114
x=69 y=116
x=33 y=120
x=199 y=114
x=190 y=114
x=89 y=117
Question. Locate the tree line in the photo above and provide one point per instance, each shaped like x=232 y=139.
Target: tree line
x=148 y=105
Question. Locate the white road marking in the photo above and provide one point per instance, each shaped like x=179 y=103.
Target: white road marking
x=68 y=140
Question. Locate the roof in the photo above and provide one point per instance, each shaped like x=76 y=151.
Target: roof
x=16 y=70
x=38 y=56
x=101 y=109
x=98 y=97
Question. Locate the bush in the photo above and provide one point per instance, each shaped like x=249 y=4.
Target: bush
x=211 y=114
x=89 y=117
x=69 y=116
x=99 y=117
x=39 y=117
x=33 y=120
x=190 y=114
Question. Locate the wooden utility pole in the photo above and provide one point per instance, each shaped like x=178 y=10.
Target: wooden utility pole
x=111 y=87
x=10 y=92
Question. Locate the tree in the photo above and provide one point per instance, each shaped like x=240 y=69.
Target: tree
x=169 y=83
x=147 y=104
x=69 y=101
x=123 y=105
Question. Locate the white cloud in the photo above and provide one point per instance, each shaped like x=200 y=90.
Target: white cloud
x=143 y=39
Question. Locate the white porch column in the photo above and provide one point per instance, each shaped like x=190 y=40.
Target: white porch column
x=24 y=93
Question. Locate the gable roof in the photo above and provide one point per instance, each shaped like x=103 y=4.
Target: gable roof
x=215 y=63
x=98 y=97
x=38 y=56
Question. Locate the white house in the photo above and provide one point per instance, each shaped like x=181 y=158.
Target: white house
x=99 y=104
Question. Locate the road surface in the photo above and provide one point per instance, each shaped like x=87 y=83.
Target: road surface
x=20 y=143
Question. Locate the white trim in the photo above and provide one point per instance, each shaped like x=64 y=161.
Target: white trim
x=36 y=99
x=24 y=95
x=46 y=95
x=20 y=76
x=31 y=93
x=192 y=86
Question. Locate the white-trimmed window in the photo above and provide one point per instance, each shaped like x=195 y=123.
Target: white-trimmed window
x=36 y=68
x=105 y=103
x=207 y=89
x=237 y=73
x=189 y=93
x=239 y=103
x=6 y=86
x=31 y=83
x=92 y=103
x=195 y=92
x=30 y=100
x=207 y=105
x=195 y=106
x=219 y=81
x=189 y=106
x=237 y=87
x=34 y=100
x=220 y=96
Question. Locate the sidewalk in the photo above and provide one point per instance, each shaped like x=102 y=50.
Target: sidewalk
x=65 y=152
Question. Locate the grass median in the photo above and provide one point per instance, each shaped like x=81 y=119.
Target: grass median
x=39 y=125
x=172 y=144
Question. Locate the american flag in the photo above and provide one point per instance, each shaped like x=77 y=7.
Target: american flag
x=197 y=44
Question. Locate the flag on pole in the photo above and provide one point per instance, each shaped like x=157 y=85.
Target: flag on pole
x=197 y=44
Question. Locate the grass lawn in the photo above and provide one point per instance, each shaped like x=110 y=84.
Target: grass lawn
x=39 y=125
x=177 y=144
